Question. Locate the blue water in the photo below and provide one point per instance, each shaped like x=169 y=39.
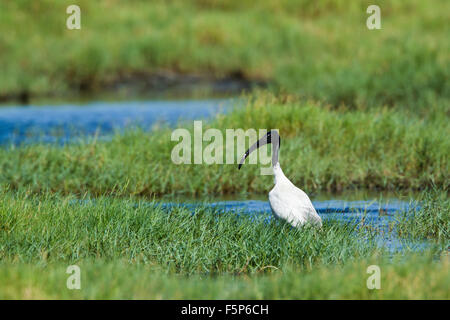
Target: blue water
x=64 y=123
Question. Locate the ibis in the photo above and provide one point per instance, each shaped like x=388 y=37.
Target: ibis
x=286 y=200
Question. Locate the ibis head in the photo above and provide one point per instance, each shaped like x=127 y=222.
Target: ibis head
x=270 y=137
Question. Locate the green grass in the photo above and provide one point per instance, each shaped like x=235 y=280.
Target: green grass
x=322 y=150
x=412 y=278
x=132 y=249
x=431 y=222
x=355 y=108
x=53 y=229
x=316 y=50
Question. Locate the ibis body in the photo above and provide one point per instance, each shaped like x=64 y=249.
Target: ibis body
x=286 y=200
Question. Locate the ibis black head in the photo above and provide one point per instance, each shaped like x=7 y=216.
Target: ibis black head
x=270 y=137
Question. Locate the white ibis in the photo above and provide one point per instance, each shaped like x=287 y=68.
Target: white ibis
x=286 y=200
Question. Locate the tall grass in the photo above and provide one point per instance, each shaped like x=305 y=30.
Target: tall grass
x=51 y=229
x=135 y=249
x=316 y=50
x=412 y=278
x=431 y=222
x=322 y=149
x=129 y=248
x=89 y=203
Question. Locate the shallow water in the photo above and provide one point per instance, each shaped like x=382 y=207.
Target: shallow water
x=64 y=123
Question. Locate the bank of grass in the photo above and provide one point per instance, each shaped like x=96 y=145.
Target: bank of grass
x=54 y=229
x=411 y=278
x=321 y=50
x=322 y=149
x=127 y=248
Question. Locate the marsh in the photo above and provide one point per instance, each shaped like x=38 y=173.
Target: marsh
x=87 y=178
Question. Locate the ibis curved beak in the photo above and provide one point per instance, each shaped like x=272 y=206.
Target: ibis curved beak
x=267 y=138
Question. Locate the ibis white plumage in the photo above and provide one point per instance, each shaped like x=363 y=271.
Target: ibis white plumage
x=286 y=200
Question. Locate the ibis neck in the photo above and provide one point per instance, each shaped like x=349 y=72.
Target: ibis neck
x=275 y=151
x=278 y=173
